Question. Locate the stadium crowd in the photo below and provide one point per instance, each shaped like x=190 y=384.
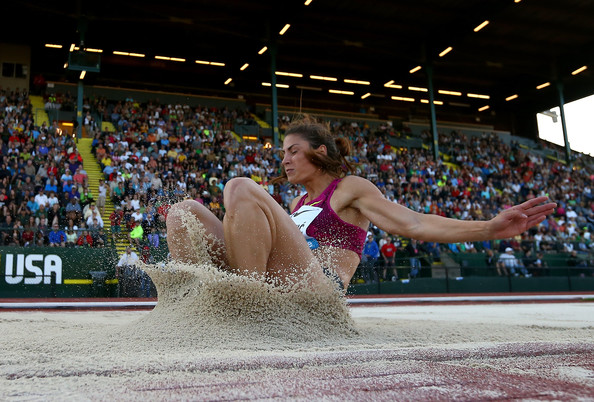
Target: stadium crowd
x=160 y=154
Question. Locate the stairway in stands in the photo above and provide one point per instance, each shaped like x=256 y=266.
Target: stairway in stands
x=260 y=122
x=94 y=173
x=107 y=126
x=39 y=113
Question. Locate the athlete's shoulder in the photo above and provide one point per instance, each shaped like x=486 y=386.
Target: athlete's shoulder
x=356 y=184
x=294 y=203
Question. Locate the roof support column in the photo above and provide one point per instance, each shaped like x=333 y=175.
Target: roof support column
x=433 y=122
x=274 y=104
x=79 y=109
x=563 y=125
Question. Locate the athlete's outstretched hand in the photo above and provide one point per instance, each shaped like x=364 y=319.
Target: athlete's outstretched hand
x=520 y=218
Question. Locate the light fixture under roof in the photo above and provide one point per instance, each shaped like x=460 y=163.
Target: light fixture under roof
x=53 y=46
x=170 y=58
x=119 y=53
x=445 y=92
x=86 y=49
x=307 y=2
x=481 y=26
x=285 y=29
x=482 y=109
x=268 y=84
x=478 y=96
x=322 y=78
x=287 y=74
x=390 y=84
x=338 y=91
x=435 y=101
x=348 y=81
x=82 y=74
x=579 y=70
x=261 y=51
x=228 y=81
x=211 y=63
x=512 y=97
x=246 y=65
x=544 y=85
x=445 y=51
x=402 y=98
x=367 y=95
x=418 y=89
x=414 y=70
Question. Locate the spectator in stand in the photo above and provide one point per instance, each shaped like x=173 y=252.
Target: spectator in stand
x=369 y=259
x=41 y=198
x=52 y=199
x=100 y=238
x=32 y=205
x=85 y=239
x=57 y=237
x=414 y=252
x=102 y=196
x=509 y=264
x=28 y=236
x=80 y=176
x=66 y=176
x=136 y=234
x=119 y=192
x=86 y=198
x=388 y=252
x=56 y=215
x=94 y=215
x=71 y=237
x=51 y=186
x=115 y=219
x=491 y=262
x=153 y=238
x=126 y=273
x=73 y=210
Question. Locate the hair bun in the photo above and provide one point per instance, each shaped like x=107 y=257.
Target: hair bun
x=343 y=145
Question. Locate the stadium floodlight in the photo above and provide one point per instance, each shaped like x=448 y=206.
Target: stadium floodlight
x=481 y=26
x=445 y=51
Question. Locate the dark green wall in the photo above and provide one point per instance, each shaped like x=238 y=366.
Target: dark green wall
x=63 y=269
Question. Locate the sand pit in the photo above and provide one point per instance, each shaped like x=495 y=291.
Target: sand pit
x=219 y=336
x=437 y=352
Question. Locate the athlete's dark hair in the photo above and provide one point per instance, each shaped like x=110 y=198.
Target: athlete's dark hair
x=317 y=134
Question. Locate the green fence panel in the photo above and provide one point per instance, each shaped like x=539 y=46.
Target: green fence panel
x=579 y=284
x=478 y=284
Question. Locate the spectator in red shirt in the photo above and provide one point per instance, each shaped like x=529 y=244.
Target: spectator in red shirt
x=85 y=240
x=388 y=253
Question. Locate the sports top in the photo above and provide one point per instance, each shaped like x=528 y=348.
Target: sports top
x=321 y=225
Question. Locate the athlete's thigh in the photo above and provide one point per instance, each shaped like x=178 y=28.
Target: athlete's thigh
x=290 y=256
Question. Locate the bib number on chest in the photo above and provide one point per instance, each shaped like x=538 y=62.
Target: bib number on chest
x=303 y=217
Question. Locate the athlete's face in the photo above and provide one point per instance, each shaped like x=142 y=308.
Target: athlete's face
x=297 y=166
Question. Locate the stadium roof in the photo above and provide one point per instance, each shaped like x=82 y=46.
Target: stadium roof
x=525 y=44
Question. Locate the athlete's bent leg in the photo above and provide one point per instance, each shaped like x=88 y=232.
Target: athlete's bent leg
x=182 y=221
x=262 y=239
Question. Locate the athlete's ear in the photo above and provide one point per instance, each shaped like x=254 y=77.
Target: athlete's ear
x=322 y=148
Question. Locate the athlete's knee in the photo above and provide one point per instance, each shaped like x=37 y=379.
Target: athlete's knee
x=177 y=210
x=239 y=189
